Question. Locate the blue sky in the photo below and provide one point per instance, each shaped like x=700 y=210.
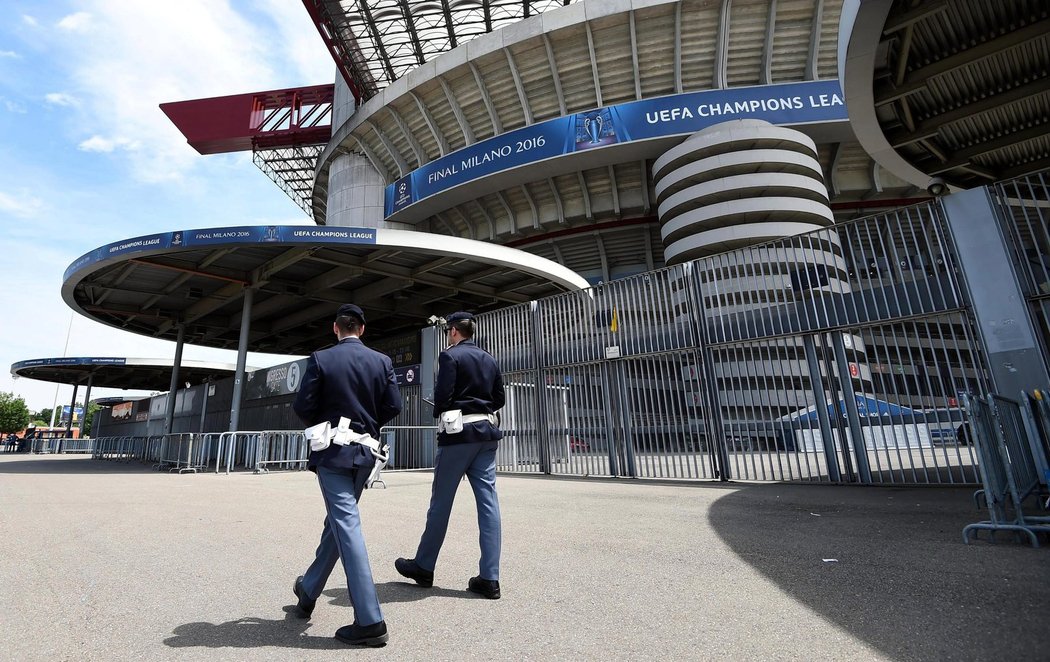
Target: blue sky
x=88 y=158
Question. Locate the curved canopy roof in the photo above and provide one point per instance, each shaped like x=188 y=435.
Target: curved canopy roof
x=298 y=276
x=119 y=372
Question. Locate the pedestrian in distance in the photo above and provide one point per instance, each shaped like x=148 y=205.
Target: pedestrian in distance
x=346 y=381
x=467 y=395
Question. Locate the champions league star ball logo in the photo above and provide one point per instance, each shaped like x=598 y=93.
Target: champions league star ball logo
x=401 y=188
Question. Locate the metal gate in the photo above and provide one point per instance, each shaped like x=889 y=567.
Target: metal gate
x=839 y=355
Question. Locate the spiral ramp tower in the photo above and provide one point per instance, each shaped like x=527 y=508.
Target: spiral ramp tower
x=735 y=184
x=748 y=183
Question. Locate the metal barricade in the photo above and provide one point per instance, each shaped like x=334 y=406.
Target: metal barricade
x=280 y=449
x=43 y=446
x=76 y=446
x=237 y=449
x=185 y=452
x=1006 y=468
x=1036 y=409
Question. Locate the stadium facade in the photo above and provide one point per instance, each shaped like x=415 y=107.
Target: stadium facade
x=752 y=188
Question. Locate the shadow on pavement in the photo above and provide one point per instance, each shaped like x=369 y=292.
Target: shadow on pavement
x=888 y=565
x=290 y=632
x=252 y=632
x=18 y=463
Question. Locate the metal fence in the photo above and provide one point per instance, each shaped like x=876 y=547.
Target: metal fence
x=838 y=355
x=1024 y=208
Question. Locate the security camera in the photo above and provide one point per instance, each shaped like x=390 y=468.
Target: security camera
x=434 y=320
x=937 y=187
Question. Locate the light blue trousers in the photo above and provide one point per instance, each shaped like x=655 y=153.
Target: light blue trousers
x=478 y=462
x=342 y=538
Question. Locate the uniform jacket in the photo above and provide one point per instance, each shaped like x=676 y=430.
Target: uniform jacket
x=468 y=379
x=348 y=380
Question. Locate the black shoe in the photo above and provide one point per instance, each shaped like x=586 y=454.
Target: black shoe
x=305 y=606
x=486 y=587
x=363 y=635
x=409 y=568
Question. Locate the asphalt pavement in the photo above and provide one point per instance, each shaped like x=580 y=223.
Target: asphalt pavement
x=111 y=561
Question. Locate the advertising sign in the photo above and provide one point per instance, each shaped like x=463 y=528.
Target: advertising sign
x=121 y=411
x=78 y=414
x=276 y=380
x=408 y=375
x=678 y=114
x=403 y=350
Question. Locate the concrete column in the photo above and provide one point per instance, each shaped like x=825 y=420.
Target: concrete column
x=355 y=194
x=87 y=404
x=242 y=357
x=999 y=304
x=173 y=385
x=72 y=411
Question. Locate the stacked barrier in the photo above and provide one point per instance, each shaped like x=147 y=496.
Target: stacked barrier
x=122 y=449
x=285 y=450
x=1008 y=468
x=76 y=446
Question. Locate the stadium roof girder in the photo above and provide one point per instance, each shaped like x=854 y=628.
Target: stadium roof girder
x=960 y=88
x=375 y=42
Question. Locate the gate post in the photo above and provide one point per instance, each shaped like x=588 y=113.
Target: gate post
x=849 y=401
x=540 y=395
x=820 y=398
x=716 y=443
x=1006 y=330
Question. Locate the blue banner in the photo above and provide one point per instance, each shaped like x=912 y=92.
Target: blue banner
x=69 y=360
x=252 y=234
x=680 y=114
x=527 y=145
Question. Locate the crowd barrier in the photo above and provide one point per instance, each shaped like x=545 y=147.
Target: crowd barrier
x=122 y=449
x=1010 y=438
x=258 y=451
x=61 y=445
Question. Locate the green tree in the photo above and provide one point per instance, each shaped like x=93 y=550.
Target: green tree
x=14 y=415
x=44 y=415
x=89 y=418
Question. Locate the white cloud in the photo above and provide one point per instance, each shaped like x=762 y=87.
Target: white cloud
x=102 y=144
x=142 y=54
x=61 y=99
x=79 y=22
x=137 y=56
x=22 y=204
x=10 y=54
x=303 y=44
x=15 y=107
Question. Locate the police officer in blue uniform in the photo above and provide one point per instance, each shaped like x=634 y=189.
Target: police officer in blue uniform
x=352 y=381
x=468 y=381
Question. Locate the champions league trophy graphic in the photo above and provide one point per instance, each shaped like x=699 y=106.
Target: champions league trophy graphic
x=595 y=129
x=593 y=126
